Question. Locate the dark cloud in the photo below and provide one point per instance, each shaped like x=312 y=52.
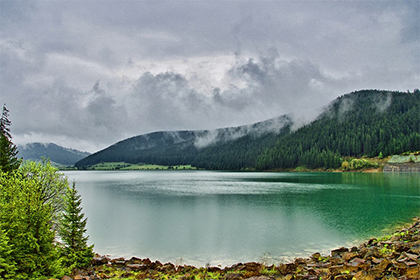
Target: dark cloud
x=161 y=101
x=268 y=87
x=86 y=74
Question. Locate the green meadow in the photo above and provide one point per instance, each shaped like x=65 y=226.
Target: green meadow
x=139 y=166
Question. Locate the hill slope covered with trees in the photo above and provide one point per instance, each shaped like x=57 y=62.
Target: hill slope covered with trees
x=57 y=154
x=363 y=123
x=213 y=149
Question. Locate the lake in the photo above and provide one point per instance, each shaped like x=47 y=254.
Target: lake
x=222 y=218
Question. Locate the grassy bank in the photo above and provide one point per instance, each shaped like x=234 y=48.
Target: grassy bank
x=140 y=166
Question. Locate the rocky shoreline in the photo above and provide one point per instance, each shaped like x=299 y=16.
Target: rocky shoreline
x=395 y=256
x=402 y=167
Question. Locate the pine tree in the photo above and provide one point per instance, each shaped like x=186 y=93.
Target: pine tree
x=76 y=253
x=8 y=151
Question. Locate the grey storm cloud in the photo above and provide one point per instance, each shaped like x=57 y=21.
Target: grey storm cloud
x=85 y=74
x=268 y=87
x=162 y=101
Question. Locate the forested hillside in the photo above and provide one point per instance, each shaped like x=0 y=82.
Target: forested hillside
x=57 y=154
x=364 y=123
x=166 y=148
x=224 y=148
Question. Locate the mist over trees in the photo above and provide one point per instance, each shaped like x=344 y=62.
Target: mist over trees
x=212 y=149
x=58 y=155
x=363 y=123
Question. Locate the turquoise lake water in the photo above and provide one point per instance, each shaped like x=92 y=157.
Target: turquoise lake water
x=221 y=218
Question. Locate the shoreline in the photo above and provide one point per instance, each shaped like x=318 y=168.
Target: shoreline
x=395 y=256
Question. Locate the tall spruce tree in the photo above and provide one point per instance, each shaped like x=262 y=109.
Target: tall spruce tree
x=76 y=252
x=8 y=151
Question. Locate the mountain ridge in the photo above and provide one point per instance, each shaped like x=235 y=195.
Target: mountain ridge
x=361 y=123
x=180 y=147
x=57 y=154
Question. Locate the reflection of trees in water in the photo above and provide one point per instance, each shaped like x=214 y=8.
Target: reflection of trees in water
x=220 y=213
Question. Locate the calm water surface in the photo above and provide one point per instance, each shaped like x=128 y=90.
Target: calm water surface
x=221 y=218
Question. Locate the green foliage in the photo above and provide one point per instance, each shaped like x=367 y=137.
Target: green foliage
x=76 y=253
x=385 y=250
x=357 y=164
x=26 y=221
x=8 y=151
x=31 y=199
x=53 y=185
x=269 y=271
x=7 y=264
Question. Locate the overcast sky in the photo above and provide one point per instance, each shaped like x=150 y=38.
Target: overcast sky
x=86 y=74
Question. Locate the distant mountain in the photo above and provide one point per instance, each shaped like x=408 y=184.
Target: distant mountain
x=57 y=154
x=362 y=123
x=190 y=146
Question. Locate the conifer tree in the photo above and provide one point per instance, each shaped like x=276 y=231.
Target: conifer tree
x=8 y=151
x=76 y=252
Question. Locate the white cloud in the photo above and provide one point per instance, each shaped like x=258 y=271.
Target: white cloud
x=87 y=74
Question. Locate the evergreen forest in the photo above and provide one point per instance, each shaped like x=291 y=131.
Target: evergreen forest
x=58 y=155
x=365 y=123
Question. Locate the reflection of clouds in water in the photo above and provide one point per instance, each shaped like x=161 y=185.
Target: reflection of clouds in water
x=201 y=184
x=226 y=217
x=212 y=188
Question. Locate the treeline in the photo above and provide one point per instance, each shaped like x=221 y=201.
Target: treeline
x=37 y=208
x=162 y=148
x=227 y=148
x=363 y=123
x=225 y=155
x=238 y=154
x=57 y=154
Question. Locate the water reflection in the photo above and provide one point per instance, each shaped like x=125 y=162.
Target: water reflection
x=222 y=217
